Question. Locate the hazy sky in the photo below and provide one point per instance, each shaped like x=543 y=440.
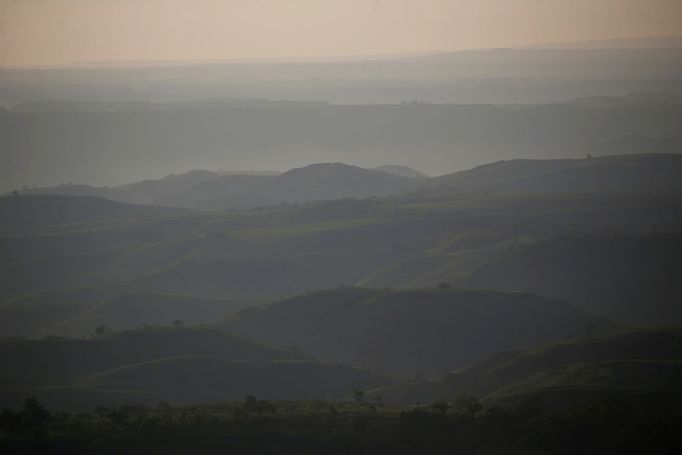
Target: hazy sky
x=44 y=32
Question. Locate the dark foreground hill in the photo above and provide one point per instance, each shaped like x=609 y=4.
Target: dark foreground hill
x=405 y=333
x=153 y=365
x=582 y=369
x=617 y=424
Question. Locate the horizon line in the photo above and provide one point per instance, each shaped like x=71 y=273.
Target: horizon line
x=344 y=58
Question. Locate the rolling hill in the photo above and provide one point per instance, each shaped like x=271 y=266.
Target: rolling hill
x=401 y=171
x=75 y=315
x=435 y=138
x=53 y=275
x=180 y=365
x=58 y=361
x=644 y=168
x=230 y=190
x=631 y=278
x=35 y=210
x=405 y=333
x=311 y=183
x=657 y=172
x=201 y=379
x=148 y=191
x=644 y=360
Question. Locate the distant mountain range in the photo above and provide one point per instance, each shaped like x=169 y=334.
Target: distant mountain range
x=311 y=183
x=646 y=42
x=84 y=144
x=207 y=190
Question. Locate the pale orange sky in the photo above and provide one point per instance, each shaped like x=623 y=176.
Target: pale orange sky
x=48 y=32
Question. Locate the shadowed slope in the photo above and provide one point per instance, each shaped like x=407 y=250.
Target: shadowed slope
x=405 y=333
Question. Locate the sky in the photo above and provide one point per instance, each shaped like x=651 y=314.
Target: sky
x=55 y=32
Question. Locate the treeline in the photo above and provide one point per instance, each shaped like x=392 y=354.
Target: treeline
x=610 y=425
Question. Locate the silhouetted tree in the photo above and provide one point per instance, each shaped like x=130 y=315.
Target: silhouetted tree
x=441 y=407
x=467 y=404
x=101 y=330
x=34 y=415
